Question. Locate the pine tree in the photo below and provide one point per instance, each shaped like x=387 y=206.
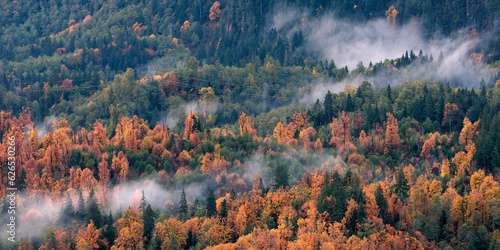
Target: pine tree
x=281 y=176
x=183 y=207
x=349 y=107
x=389 y=93
x=108 y=231
x=93 y=212
x=143 y=203
x=328 y=106
x=382 y=205
x=211 y=205
x=223 y=209
x=401 y=188
x=81 y=211
x=149 y=223
x=67 y=212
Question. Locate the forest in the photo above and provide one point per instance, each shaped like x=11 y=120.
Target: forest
x=161 y=124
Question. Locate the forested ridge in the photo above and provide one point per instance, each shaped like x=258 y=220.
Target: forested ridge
x=206 y=124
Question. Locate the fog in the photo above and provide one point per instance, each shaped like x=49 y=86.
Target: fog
x=348 y=43
x=178 y=110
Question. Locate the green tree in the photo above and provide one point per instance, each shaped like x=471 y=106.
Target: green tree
x=183 y=207
x=211 y=205
x=223 y=209
x=382 y=205
x=281 y=176
x=67 y=212
x=328 y=107
x=93 y=212
x=149 y=223
x=81 y=210
x=50 y=239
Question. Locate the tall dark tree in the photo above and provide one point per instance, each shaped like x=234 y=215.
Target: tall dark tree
x=67 y=212
x=108 y=230
x=81 y=209
x=223 y=209
x=382 y=205
x=149 y=223
x=401 y=188
x=281 y=176
x=143 y=203
x=183 y=207
x=328 y=107
x=93 y=212
x=211 y=205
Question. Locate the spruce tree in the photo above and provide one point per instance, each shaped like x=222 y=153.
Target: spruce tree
x=328 y=106
x=211 y=205
x=67 y=212
x=93 y=212
x=81 y=211
x=143 y=203
x=149 y=223
x=382 y=205
x=281 y=176
x=223 y=209
x=108 y=231
x=183 y=207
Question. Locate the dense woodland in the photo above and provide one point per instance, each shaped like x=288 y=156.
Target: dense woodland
x=182 y=94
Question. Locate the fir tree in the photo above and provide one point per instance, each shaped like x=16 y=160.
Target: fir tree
x=149 y=223
x=67 y=212
x=93 y=212
x=143 y=203
x=81 y=211
x=328 y=106
x=183 y=207
x=211 y=205
x=108 y=231
x=281 y=176
x=223 y=209
x=382 y=205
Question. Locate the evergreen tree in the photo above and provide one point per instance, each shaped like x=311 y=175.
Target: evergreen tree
x=21 y=181
x=81 y=210
x=149 y=223
x=183 y=207
x=349 y=106
x=382 y=205
x=401 y=188
x=93 y=212
x=233 y=194
x=389 y=93
x=211 y=205
x=143 y=203
x=281 y=176
x=108 y=230
x=223 y=209
x=328 y=107
x=67 y=212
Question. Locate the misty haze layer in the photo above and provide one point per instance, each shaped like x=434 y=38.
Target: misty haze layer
x=349 y=43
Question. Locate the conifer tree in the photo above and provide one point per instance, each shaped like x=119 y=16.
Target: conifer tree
x=211 y=205
x=67 y=212
x=149 y=223
x=281 y=176
x=143 y=203
x=81 y=211
x=93 y=212
x=183 y=207
x=223 y=209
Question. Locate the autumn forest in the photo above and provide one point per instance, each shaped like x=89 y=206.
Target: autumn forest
x=161 y=124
